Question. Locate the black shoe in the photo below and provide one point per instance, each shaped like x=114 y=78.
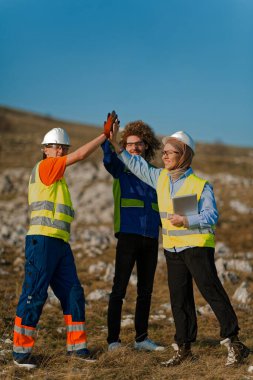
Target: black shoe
x=182 y=353
x=237 y=351
x=28 y=362
x=83 y=354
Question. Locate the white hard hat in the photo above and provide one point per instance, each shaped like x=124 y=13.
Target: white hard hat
x=56 y=136
x=181 y=136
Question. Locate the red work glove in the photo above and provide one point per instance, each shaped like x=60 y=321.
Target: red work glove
x=108 y=124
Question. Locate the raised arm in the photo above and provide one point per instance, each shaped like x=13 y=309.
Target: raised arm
x=111 y=162
x=86 y=150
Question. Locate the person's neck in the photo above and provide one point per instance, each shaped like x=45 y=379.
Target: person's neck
x=175 y=174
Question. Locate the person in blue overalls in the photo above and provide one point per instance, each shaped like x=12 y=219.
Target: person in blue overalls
x=136 y=226
x=49 y=258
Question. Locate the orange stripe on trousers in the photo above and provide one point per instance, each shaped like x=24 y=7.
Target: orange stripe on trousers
x=75 y=337
x=22 y=340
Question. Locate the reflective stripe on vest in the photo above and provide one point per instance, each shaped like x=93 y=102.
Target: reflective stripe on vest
x=187 y=232
x=155 y=206
x=46 y=205
x=165 y=215
x=179 y=236
x=43 y=221
x=125 y=202
x=50 y=206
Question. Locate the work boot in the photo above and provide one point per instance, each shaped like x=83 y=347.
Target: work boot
x=26 y=361
x=82 y=354
x=237 y=351
x=182 y=353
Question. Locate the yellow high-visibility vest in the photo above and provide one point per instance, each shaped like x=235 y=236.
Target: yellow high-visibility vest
x=181 y=236
x=50 y=206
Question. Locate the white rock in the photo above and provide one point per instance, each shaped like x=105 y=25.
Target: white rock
x=61 y=330
x=249 y=255
x=93 y=251
x=109 y=273
x=3 y=272
x=205 y=310
x=250 y=369
x=166 y=306
x=222 y=249
x=223 y=274
x=239 y=265
x=240 y=207
x=52 y=299
x=133 y=279
x=97 y=295
x=157 y=317
x=241 y=294
x=8 y=341
x=127 y=322
x=97 y=268
x=220 y=264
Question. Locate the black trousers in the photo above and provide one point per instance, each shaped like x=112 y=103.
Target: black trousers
x=197 y=263
x=143 y=251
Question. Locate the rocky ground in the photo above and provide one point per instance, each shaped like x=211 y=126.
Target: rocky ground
x=228 y=169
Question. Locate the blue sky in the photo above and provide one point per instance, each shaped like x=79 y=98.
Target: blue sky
x=176 y=64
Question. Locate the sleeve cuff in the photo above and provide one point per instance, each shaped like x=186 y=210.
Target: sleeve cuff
x=193 y=221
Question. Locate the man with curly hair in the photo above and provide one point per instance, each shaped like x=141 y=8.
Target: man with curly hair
x=136 y=226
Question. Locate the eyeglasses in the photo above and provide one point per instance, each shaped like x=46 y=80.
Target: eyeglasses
x=169 y=153
x=132 y=144
x=58 y=146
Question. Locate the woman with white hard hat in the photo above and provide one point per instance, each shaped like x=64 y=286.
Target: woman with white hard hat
x=49 y=259
x=189 y=243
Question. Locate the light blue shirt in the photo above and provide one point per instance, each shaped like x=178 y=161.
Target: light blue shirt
x=207 y=210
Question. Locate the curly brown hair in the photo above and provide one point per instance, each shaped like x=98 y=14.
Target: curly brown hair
x=144 y=132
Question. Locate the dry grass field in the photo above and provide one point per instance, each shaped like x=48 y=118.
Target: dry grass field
x=230 y=170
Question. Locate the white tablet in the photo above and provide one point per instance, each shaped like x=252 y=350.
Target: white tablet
x=185 y=205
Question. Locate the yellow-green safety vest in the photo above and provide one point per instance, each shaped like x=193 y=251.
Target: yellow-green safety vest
x=180 y=236
x=50 y=206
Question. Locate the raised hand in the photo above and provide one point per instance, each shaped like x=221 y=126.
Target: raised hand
x=108 y=124
x=113 y=137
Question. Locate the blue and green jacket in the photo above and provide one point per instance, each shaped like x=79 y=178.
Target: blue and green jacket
x=135 y=203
